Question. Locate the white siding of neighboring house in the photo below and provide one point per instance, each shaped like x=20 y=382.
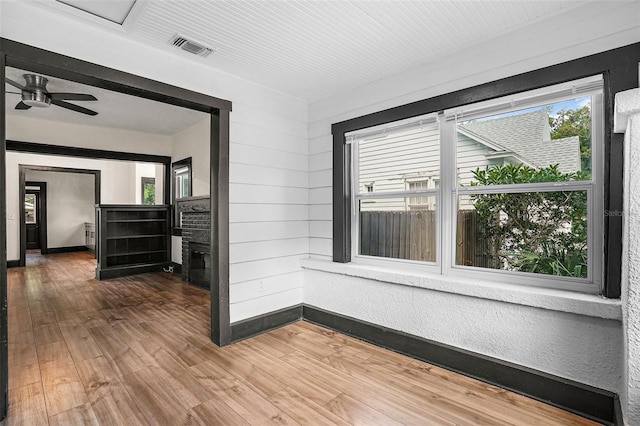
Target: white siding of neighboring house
x=390 y=161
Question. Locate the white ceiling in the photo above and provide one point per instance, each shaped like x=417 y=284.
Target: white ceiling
x=308 y=49
x=315 y=49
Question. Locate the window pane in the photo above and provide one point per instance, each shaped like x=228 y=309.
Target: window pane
x=398 y=156
x=30 y=208
x=543 y=144
x=539 y=232
x=390 y=228
x=182 y=185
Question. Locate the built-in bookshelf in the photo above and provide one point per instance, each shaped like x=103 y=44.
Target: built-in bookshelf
x=132 y=239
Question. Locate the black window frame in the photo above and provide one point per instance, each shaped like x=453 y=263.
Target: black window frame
x=186 y=162
x=619 y=68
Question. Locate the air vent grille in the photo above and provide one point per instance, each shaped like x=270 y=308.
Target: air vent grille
x=190 y=46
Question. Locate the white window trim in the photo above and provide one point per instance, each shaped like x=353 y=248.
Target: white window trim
x=447 y=194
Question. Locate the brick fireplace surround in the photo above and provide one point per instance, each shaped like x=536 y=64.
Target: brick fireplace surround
x=196 y=228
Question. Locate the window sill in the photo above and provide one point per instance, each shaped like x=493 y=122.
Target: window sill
x=551 y=299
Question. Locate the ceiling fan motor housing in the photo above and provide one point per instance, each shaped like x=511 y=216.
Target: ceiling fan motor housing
x=35 y=93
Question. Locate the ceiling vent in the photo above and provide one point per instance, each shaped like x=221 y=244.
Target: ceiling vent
x=190 y=45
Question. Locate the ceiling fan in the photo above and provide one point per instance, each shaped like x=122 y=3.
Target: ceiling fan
x=35 y=94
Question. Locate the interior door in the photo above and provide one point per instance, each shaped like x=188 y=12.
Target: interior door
x=32 y=219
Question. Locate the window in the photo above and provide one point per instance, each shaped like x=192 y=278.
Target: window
x=148 y=185
x=181 y=185
x=30 y=205
x=397 y=217
x=503 y=187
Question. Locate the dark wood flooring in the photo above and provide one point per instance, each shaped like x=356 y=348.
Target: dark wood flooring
x=136 y=350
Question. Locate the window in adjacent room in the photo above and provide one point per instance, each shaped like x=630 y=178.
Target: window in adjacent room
x=181 y=185
x=148 y=185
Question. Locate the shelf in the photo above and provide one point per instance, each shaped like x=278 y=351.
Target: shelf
x=132 y=239
x=129 y=237
x=132 y=253
x=135 y=220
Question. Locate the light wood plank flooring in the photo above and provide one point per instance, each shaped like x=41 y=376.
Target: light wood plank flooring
x=136 y=351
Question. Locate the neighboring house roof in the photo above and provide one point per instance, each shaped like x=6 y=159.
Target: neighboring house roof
x=526 y=137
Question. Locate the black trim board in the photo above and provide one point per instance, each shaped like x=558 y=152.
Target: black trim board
x=262 y=323
x=581 y=399
x=67 y=151
x=69 y=249
x=115 y=272
x=13 y=263
x=4 y=329
x=617 y=411
x=42 y=61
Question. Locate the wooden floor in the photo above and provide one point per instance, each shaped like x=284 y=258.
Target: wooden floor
x=136 y=351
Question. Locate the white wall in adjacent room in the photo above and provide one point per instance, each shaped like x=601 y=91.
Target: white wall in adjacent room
x=117 y=186
x=70 y=203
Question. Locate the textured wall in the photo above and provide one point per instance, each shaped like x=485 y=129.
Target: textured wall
x=627 y=119
x=577 y=347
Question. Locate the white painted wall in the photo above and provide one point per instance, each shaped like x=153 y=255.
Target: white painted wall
x=27 y=129
x=70 y=203
x=269 y=180
x=576 y=346
x=117 y=184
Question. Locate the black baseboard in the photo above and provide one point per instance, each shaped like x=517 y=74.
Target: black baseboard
x=259 y=324
x=617 y=411
x=70 y=249
x=123 y=271
x=13 y=263
x=587 y=401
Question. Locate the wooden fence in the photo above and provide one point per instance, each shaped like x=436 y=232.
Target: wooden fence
x=412 y=235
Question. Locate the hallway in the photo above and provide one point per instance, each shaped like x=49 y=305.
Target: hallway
x=136 y=350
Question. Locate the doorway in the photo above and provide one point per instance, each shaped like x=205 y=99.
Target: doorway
x=35 y=215
x=15 y=54
x=37 y=191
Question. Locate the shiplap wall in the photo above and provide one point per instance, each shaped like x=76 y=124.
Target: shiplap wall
x=268 y=208
x=479 y=325
x=268 y=164
x=268 y=205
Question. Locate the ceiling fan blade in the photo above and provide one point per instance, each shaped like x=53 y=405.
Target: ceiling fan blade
x=14 y=84
x=59 y=96
x=74 y=107
x=14 y=93
x=22 y=105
